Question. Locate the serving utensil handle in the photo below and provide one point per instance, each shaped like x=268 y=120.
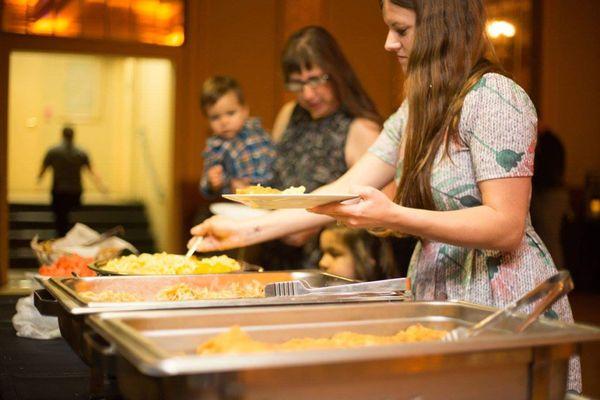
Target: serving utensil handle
x=547 y=292
x=388 y=285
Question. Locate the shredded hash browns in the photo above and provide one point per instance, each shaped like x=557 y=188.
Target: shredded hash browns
x=235 y=340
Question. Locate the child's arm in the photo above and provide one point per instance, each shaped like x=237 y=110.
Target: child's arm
x=213 y=177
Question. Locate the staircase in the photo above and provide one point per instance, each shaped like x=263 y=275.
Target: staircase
x=27 y=220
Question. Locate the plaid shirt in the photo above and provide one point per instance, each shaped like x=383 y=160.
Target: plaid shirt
x=248 y=155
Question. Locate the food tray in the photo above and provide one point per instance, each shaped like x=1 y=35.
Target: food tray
x=97 y=268
x=156 y=354
x=66 y=290
x=60 y=298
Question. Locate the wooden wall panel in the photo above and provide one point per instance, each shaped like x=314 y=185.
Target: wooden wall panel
x=296 y=14
x=3 y=164
x=358 y=27
x=240 y=43
x=570 y=88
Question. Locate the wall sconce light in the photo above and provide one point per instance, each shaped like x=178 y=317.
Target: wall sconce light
x=495 y=29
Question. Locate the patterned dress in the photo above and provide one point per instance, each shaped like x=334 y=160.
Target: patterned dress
x=498 y=136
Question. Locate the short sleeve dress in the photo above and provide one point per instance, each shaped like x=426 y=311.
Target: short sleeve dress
x=498 y=137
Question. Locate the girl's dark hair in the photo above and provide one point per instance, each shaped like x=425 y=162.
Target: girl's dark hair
x=373 y=256
x=313 y=46
x=216 y=87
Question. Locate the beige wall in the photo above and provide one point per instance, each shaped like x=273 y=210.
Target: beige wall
x=40 y=92
x=111 y=101
x=570 y=88
x=152 y=124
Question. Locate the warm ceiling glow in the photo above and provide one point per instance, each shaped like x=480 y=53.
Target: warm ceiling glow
x=48 y=26
x=495 y=29
x=165 y=11
x=174 y=38
x=44 y=26
x=154 y=21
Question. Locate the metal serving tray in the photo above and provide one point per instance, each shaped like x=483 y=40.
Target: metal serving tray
x=66 y=290
x=60 y=298
x=157 y=360
x=97 y=268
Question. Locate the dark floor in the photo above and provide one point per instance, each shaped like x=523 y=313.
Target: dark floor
x=37 y=370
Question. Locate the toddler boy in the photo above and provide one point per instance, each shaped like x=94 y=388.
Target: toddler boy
x=240 y=152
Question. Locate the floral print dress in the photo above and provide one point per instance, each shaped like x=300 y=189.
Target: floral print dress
x=497 y=133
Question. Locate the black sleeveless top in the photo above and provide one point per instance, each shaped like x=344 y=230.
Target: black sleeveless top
x=311 y=152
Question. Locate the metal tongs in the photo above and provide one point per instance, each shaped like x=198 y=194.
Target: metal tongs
x=390 y=287
x=117 y=230
x=547 y=292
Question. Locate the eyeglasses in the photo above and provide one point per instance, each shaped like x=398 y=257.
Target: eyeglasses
x=297 y=85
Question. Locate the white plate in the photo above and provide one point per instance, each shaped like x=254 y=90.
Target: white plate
x=277 y=201
x=235 y=211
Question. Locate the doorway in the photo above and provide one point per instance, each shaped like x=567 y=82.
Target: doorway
x=122 y=111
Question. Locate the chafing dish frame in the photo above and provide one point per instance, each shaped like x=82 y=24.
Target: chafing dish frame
x=65 y=291
x=154 y=359
x=60 y=299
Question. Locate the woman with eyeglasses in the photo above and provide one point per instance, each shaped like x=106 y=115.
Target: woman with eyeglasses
x=461 y=148
x=323 y=132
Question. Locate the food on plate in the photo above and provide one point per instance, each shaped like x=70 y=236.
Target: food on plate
x=67 y=265
x=258 y=189
x=235 y=340
x=109 y=296
x=171 y=264
x=234 y=290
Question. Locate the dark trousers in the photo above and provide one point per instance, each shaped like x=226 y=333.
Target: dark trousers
x=62 y=205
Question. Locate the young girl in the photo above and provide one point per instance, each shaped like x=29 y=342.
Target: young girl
x=461 y=148
x=355 y=254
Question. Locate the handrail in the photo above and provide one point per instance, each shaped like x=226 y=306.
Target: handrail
x=152 y=172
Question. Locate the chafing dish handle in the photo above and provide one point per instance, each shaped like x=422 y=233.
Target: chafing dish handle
x=99 y=348
x=45 y=303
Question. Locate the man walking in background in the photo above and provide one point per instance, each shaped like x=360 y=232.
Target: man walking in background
x=67 y=161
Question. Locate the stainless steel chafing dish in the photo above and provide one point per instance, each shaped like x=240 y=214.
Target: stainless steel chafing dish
x=67 y=290
x=60 y=298
x=63 y=300
x=157 y=360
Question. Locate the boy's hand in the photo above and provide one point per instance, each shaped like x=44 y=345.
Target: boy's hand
x=215 y=177
x=239 y=183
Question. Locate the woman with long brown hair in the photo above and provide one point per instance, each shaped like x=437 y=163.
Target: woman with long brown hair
x=320 y=134
x=461 y=147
